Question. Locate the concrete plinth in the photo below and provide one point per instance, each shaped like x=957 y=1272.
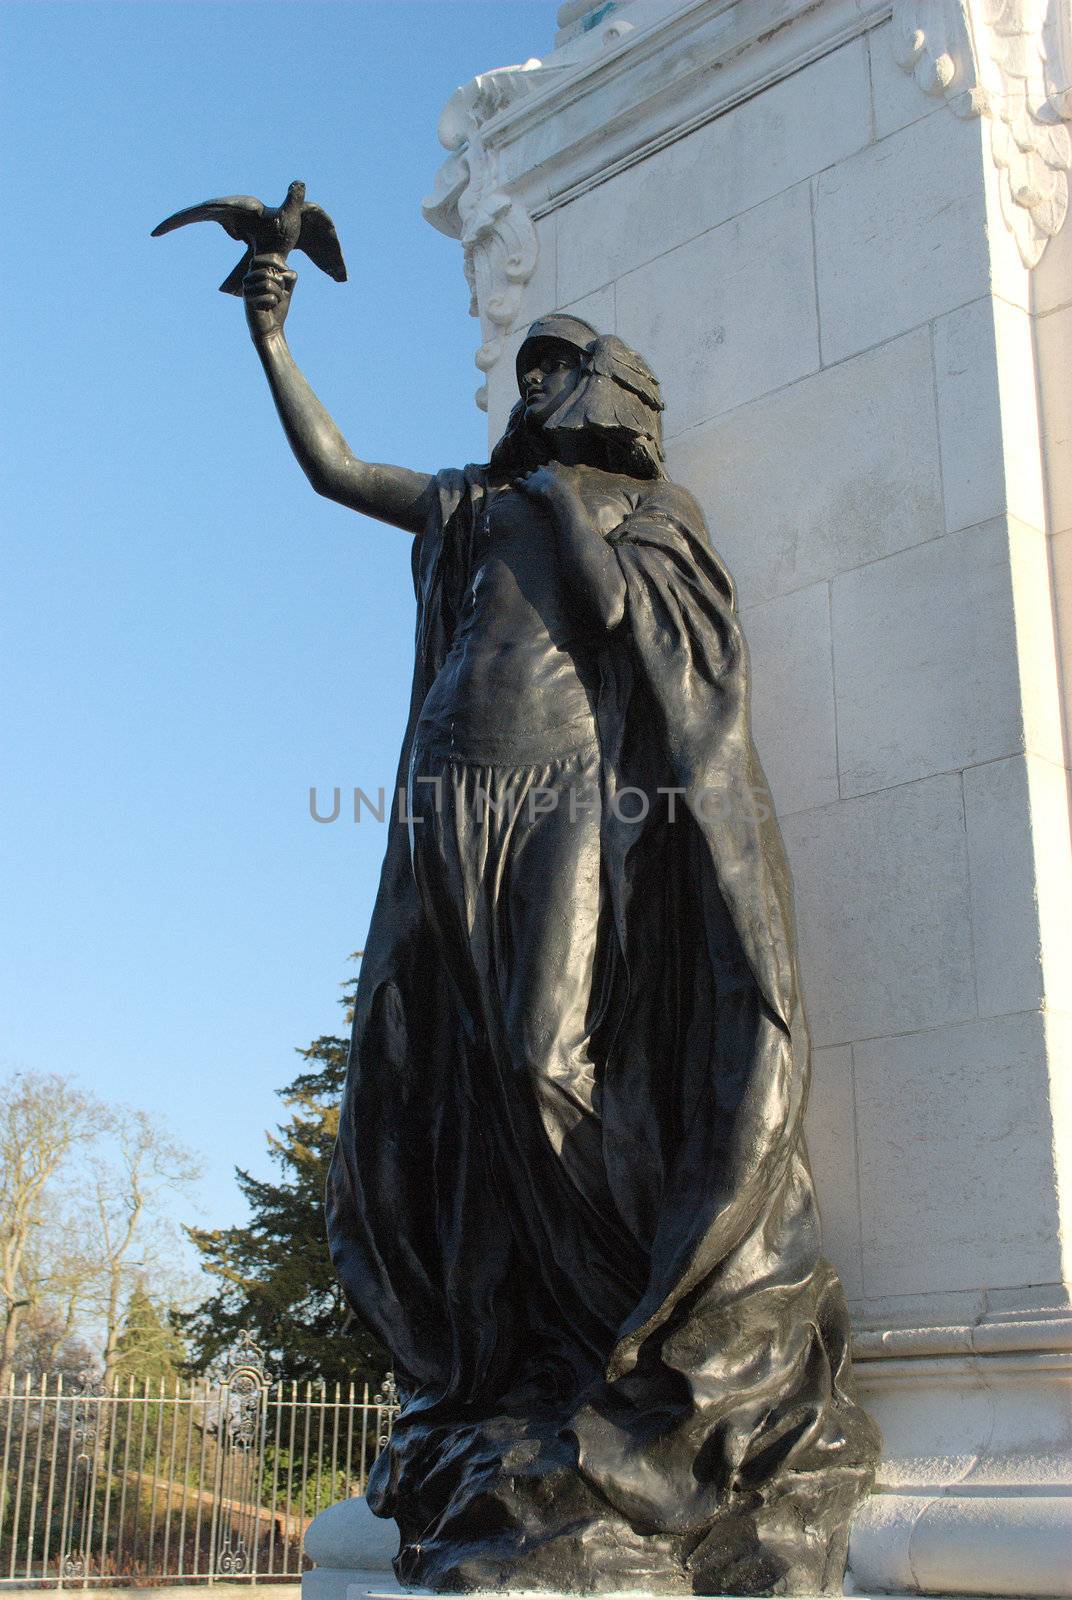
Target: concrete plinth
x=328 y=1585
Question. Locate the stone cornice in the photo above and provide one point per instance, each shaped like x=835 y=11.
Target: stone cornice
x=675 y=69
x=526 y=139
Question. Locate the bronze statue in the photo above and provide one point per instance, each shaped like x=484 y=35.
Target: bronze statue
x=570 y=1191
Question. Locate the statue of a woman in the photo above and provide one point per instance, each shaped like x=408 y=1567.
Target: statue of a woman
x=570 y=1191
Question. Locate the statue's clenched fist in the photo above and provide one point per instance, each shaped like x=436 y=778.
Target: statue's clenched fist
x=267 y=289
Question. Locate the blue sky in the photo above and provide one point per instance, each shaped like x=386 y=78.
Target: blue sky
x=191 y=636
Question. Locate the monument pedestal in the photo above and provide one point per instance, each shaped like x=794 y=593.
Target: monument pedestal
x=835 y=226
x=349 y=1546
x=353 y=1549
x=973 y=1492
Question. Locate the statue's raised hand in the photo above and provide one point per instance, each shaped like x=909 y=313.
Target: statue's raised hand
x=267 y=289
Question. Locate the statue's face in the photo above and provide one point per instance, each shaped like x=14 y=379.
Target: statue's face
x=547 y=374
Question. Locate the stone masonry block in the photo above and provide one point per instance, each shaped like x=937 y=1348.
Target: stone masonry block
x=758 y=149
x=1016 y=813
x=900 y=234
x=984 y=1202
x=883 y=911
x=835 y=470
x=988 y=415
x=925 y=661
x=793 y=697
x=831 y=1134
x=731 y=314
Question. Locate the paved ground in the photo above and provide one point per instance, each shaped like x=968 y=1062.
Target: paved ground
x=171 y=1591
x=356 y=1586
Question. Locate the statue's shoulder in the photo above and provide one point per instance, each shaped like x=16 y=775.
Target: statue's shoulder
x=455 y=495
x=669 y=519
x=677 y=498
x=661 y=499
x=462 y=482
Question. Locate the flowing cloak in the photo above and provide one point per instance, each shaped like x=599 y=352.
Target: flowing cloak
x=721 y=1419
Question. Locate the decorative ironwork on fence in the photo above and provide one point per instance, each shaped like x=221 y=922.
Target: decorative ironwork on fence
x=189 y=1481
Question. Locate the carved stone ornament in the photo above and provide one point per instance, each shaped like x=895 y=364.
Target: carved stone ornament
x=1009 y=61
x=496 y=232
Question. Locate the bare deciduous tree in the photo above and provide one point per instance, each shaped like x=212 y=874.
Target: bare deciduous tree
x=81 y=1219
x=44 y=1118
x=127 y=1191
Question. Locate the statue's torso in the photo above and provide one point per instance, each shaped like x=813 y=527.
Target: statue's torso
x=519 y=680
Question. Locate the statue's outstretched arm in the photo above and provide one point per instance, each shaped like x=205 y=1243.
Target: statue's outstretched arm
x=393 y=494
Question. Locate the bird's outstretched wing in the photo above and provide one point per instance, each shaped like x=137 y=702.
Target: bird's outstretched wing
x=321 y=243
x=237 y=213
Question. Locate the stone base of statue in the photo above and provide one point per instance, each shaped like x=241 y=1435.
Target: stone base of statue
x=353 y=1549
x=973 y=1490
x=972 y=1495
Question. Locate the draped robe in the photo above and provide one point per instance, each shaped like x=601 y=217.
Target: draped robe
x=705 y=1437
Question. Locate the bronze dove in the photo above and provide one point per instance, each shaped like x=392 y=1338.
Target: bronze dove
x=268 y=230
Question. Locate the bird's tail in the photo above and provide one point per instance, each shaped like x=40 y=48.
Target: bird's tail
x=232 y=284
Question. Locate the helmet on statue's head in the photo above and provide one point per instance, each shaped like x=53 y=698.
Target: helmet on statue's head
x=616 y=399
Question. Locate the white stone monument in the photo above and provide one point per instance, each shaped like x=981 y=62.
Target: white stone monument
x=834 y=228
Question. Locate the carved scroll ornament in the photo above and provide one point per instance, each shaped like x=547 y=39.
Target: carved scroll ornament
x=496 y=232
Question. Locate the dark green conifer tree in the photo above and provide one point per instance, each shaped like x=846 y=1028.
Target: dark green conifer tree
x=275 y=1278
x=149 y=1344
